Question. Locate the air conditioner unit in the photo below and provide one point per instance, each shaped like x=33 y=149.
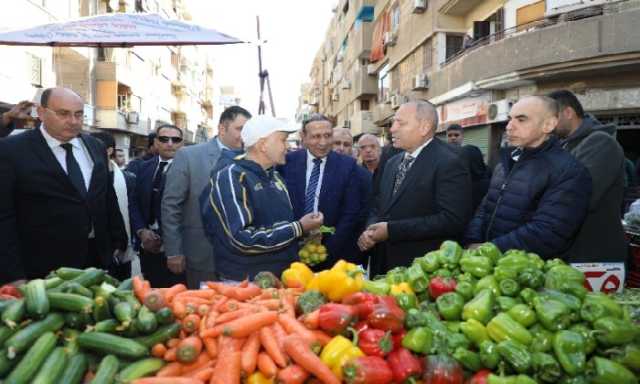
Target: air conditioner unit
x=346 y=84
x=371 y=69
x=390 y=39
x=421 y=81
x=395 y=101
x=499 y=110
x=133 y=117
x=419 y=6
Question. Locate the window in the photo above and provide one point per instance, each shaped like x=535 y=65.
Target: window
x=384 y=83
x=34 y=68
x=395 y=18
x=101 y=54
x=364 y=105
x=454 y=45
x=427 y=59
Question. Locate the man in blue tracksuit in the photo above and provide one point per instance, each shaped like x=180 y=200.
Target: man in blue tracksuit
x=246 y=211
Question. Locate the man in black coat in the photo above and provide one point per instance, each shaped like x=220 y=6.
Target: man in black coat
x=425 y=193
x=57 y=206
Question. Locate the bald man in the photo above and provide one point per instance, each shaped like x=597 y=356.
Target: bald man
x=57 y=203
x=539 y=193
x=370 y=151
x=343 y=141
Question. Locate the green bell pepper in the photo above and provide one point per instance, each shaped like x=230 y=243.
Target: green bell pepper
x=450 y=254
x=503 y=327
x=536 y=261
x=552 y=314
x=597 y=305
x=377 y=287
x=396 y=275
x=590 y=342
x=550 y=263
x=489 y=250
x=629 y=356
x=531 y=278
x=523 y=315
x=515 y=354
x=605 y=371
x=542 y=339
x=456 y=340
x=546 y=367
x=475 y=331
x=569 y=300
x=527 y=295
x=505 y=303
x=414 y=318
x=442 y=272
x=611 y=331
x=566 y=279
x=429 y=262
x=453 y=326
x=417 y=278
x=509 y=287
x=519 y=379
x=487 y=282
x=450 y=305
x=478 y=266
x=418 y=340
x=569 y=349
x=511 y=265
x=465 y=289
x=406 y=300
x=580 y=379
x=480 y=307
x=470 y=360
x=467 y=277
x=489 y=355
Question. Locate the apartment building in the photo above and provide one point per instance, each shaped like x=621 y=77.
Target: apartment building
x=128 y=91
x=474 y=58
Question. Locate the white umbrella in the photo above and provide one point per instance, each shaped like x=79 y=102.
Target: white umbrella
x=117 y=30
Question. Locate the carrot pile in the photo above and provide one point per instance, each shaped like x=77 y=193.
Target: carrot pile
x=229 y=333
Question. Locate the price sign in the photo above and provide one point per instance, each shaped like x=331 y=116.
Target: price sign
x=602 y=277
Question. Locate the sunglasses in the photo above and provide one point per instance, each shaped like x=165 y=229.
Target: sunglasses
x=166 y=139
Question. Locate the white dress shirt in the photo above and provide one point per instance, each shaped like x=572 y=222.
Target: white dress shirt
x=80 y=152
x=310 y=165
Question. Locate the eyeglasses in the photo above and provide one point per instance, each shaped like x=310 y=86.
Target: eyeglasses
x=166 y=139
x=64 y=114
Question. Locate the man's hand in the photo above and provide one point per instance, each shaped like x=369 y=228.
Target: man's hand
x=379 y=231
x=150 y=240
x=311 y=221
x=365 y=242
x=176 y=264
x=20 y=111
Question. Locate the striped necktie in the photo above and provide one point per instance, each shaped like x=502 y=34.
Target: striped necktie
x=312 y=186
x=402 y=172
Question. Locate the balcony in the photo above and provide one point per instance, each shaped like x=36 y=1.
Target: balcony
x=382 y=113
x=458 y=7
x=607 y=42
x=362 y=122
x=116 y=120
x=361 y=41
x=364 y=84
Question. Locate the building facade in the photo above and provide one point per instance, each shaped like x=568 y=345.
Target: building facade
x=474 y=58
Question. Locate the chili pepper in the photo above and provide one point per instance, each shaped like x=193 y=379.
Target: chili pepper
x=566 y=279
x=552 y=314
x=417 y=278
x=368 y=370
x=375 y=342
x=489 y=250
x=542 y=339
x=338 y=352
x=450 y=305
x=629 y=356
x=386 y=315
x=519 y=379
x=469 y=359
x=509 y=287
x=546 y=367
x=450 y=254
x=569 y=349
x=590 y=342
x=335 y=318
x=503 y=327
x=341 y=280
x=487 y=282
x=478 y=266
x=489 y=355
x=404 y=365
x=527 y=295
x=597 y=305
x=480 y=377
x=480 y=307
x=465 y=289
x=606 y=371
x=429 y=262
x=611 y=331
x=441 y=285
x=442 y=369
x=475 y=331
x=531 y=278
x=505 y=303
x=362 y=301
x=515 y=354
x=377 y=287
x=406 y=301
x=396 y=275
x=523 y=315
x=418 y=340
x=298 y=275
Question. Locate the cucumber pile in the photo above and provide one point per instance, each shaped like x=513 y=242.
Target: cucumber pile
x=76 y=321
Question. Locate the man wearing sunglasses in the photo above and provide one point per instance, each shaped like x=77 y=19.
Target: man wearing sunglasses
x=145 y=208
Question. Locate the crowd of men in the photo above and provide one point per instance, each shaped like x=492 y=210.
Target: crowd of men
x=243 y=202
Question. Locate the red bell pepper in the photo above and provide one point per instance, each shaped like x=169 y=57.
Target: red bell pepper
x=367 y=370
x=440 y=285
x=335 y=318
x=375 y=342
x=10 y=290
x=386 y=315
x=363 y=301
x=397 y=338
x=404 y=365
x=442 y=369
x=481 y=377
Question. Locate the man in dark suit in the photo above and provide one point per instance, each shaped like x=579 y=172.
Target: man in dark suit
x=152 y=151
x=321 y=180
x=57 y=206
x=145 y=208
x=425 y=193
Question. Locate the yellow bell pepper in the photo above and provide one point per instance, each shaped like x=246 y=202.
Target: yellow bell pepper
x=259 y=378
x=341 y=280
x=298 y=275
x=399 y=288
x=348 y=355
x=338 y=352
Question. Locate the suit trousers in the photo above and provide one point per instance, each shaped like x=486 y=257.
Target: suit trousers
x=154 y=268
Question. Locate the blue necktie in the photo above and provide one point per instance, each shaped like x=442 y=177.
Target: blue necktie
x=310 y=196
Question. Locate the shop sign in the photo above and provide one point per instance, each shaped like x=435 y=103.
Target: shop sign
x=602 y=277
